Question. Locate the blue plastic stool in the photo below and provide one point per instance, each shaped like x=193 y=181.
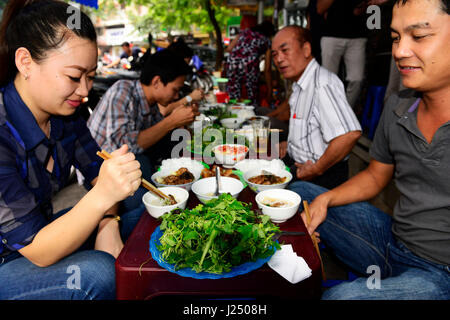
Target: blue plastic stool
x=373 y=108
x=332 y=282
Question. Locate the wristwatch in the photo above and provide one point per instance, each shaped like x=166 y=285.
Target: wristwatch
x=188 y=99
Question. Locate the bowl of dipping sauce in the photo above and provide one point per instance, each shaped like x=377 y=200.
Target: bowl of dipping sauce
x=229 y=154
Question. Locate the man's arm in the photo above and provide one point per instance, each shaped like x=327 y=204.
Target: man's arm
x=281 y=109
x=337 y=150
x=364 y=186
x=323 y=6
x=196 y=95
x=179 y=117
x=362 y=7
x=113 y=64
x=284 y=115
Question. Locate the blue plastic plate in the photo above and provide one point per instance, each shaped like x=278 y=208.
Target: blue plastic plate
x=188 y=272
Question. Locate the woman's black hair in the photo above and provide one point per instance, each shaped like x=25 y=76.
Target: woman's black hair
x=265 y=28
x=39 y=26
x=165 y=64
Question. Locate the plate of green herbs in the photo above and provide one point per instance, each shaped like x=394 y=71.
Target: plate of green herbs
x=220 y=239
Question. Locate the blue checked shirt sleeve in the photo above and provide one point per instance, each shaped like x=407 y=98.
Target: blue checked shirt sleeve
x=113 y=122
x=20 y=217
x=86 y=159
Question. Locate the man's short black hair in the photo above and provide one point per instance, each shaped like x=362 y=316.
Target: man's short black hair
x=181 y=48
x=445 y=5
x=125 y=44
x=165 y=64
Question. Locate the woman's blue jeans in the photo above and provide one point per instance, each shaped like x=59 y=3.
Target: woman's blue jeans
x=86 y=274
x=360 y=236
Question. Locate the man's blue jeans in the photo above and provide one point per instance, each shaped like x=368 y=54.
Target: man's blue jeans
x=85 y=274
x=360 y=236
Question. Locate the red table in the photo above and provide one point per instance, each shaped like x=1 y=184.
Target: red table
x=139 y=277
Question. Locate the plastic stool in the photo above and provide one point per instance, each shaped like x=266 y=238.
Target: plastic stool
x=332 y=282
x=373 y=108
x=222 y=97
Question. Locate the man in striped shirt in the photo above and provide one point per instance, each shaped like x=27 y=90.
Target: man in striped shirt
x=322 y=127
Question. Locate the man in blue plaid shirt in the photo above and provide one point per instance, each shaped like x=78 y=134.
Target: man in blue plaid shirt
x=128 y=113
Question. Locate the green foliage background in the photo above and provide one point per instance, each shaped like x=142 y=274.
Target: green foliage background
x=167 y=15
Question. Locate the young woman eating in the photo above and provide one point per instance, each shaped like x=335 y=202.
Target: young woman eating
x=47 y=68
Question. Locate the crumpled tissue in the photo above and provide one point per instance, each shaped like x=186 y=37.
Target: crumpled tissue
x=290 y=266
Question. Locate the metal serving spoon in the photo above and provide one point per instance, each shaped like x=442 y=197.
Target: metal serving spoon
x=218 y=183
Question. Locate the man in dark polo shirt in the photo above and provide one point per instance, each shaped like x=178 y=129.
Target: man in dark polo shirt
x=406 y=256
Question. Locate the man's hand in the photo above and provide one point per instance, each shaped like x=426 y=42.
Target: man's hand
x=195 y=108
x=197 y=95
x=318 y=213
x=182 y=116
x=306 y=171
x=282 y=149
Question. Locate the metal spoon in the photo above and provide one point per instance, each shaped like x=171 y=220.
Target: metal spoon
x=218 y=182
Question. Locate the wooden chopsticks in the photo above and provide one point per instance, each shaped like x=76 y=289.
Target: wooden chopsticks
x=313 y=237
x=147 y=185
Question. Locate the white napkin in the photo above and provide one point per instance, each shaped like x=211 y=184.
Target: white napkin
x=290 y=266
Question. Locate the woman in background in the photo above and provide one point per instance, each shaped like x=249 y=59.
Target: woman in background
x=242 y=66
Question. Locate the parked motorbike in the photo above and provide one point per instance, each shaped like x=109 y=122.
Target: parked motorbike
x=200 y=77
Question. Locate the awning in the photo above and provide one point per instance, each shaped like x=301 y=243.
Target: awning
x=90 y=3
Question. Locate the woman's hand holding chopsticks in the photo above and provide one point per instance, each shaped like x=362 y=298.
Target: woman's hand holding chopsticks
x=120 y=176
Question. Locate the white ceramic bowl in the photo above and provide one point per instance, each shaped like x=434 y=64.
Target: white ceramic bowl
x=278 y=215
x=160 y=174
x=204 y=188
x=232 y=123
x=181 y=196
x=229 y=154
x=261 y=187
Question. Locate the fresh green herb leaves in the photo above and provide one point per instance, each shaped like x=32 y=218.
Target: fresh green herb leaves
x=220 y=113
x=203 y=140
x=216 y=236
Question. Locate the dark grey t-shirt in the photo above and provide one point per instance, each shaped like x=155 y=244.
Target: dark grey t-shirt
x=421 y=218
